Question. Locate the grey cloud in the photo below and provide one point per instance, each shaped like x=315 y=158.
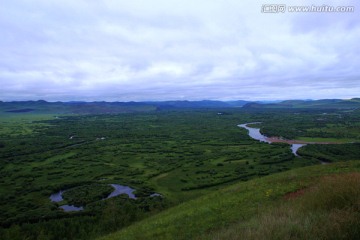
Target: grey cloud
x=158 y=50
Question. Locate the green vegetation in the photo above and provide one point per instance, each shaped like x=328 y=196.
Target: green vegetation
x=331 y=152
x=185 y=155
x=17 y=125
x=335 y=125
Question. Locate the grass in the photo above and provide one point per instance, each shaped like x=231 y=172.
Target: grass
x=243 y=208
x=327 y=140
x=328 y=210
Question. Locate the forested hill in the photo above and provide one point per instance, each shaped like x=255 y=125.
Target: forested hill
x=353 y=103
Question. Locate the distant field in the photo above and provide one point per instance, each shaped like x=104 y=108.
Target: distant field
x=15 y=124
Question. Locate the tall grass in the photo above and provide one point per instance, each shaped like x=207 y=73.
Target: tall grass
x=328 y=210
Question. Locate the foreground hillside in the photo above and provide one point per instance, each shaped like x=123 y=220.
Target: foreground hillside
x=317 y=202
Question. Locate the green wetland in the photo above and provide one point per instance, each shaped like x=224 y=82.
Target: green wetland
x=171 y=158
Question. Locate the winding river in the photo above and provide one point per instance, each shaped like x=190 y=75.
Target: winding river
x=295 y=147
x=118 y=189
x=255 y=134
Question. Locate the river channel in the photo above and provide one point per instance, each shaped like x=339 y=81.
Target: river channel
x=118 y=189
x=256 y=134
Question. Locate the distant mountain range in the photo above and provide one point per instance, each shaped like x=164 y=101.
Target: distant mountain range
x=313 y=104
x=76 y=107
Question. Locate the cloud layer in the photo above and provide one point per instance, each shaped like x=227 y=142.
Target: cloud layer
x=166 y=49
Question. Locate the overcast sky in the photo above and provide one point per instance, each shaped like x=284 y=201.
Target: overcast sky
x=136 y=50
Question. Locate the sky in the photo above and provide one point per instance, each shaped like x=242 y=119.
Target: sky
x=155 y=50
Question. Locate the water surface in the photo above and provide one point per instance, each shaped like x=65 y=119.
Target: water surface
x=256 y=134
x=120 y=189
x=295 y=147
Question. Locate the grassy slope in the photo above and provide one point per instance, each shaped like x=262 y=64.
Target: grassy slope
x=330 y=209
x=231 y=205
